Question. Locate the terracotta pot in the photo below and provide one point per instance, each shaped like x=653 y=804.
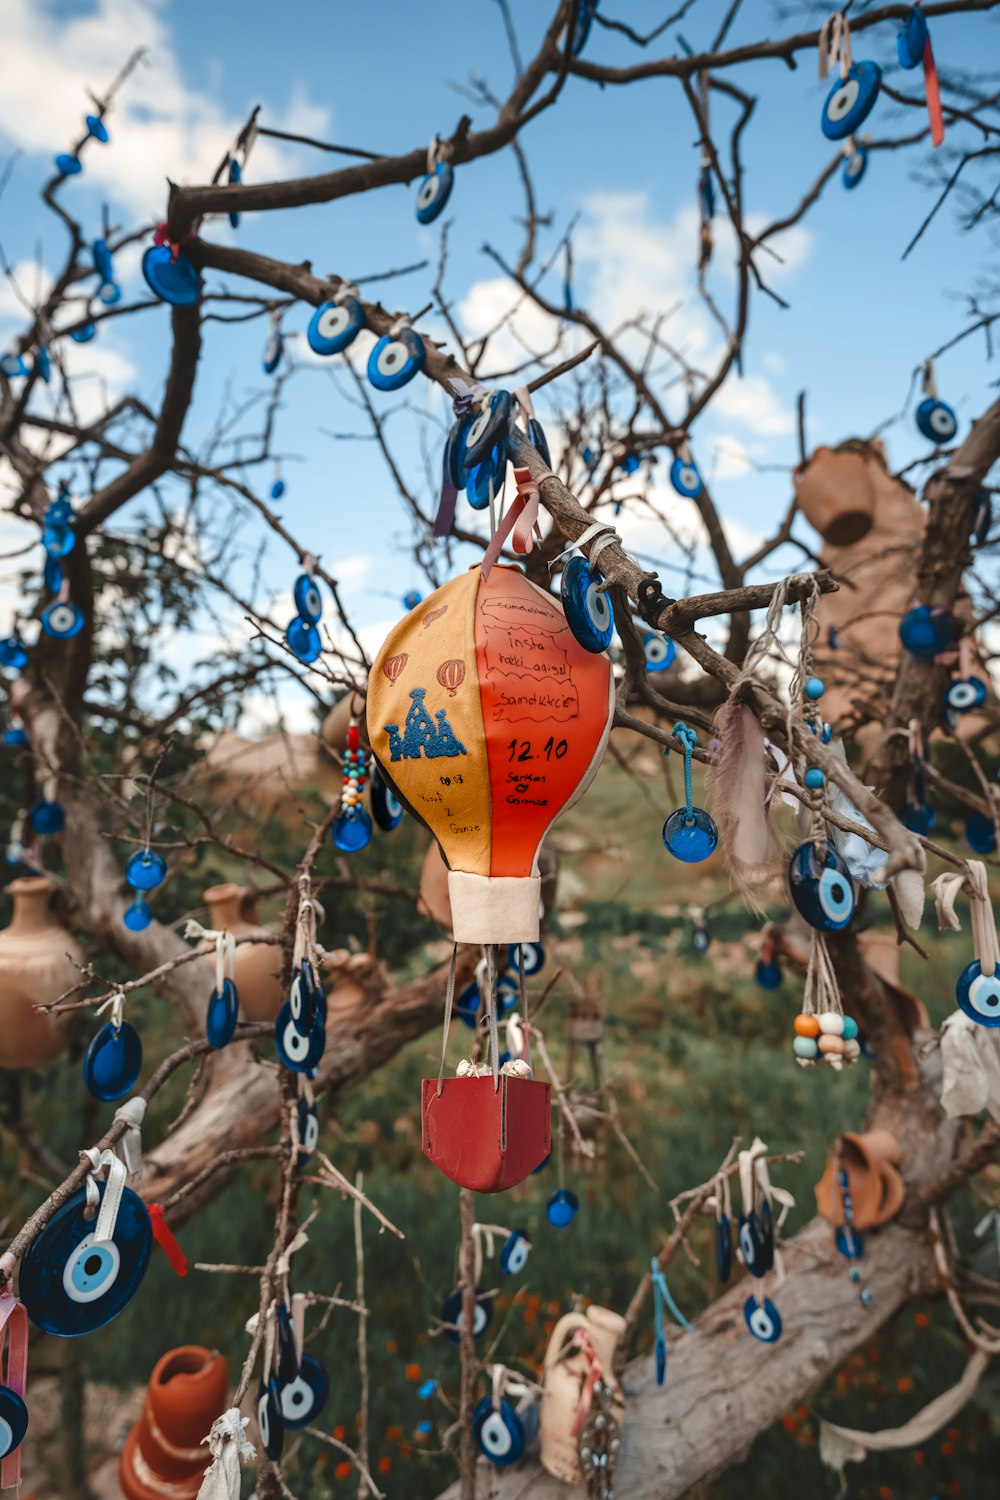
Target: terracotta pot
x=257 y=966
x=875 y=1186
x=836 y=494
x=563 y=1382
x=36 y=965
x=164 y=1454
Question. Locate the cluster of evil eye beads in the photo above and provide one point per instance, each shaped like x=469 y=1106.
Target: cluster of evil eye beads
x=513 y=1259
x=144 y=871
x=302 y=632
x=476 y=449
x=300 y=1027
x=294 y=1391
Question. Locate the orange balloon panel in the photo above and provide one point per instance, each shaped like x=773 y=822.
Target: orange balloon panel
x=545 y=703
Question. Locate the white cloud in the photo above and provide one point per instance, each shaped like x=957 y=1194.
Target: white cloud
x=753 y=403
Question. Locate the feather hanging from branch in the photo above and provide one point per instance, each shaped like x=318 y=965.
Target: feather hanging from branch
x=737 y=789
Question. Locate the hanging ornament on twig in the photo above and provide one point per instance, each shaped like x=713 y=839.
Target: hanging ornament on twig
x=935 y=418
x=852 y=99
x=689 y=833
x=913 y=47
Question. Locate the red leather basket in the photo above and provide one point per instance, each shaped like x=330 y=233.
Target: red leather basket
x=483 y=1138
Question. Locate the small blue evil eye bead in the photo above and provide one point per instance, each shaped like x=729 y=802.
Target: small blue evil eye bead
x=62 y=620
x=137 y=915
x=110 y=293
x=980 y=833
x=514 y=1255
x=821 y=888
x=751 y=1244
x=814 y=779
x=538 y=440
x=498 y=1432
x=700 y=939
x=587 y=606
x=395 y=360
x=911 y=39
x=685 y=478
x=175 y=282
x=434 y=192
x=978 y=995
x=762 y=1319
x=451 y=1315
x=13 y=652
x=412 y=599
x=486 y=429
x=659 y=651
x=221 y=1016
x=814 y=688
x=767 y=975
x=273 y=350
x=965 y=694
x=854 y=168
x=352 y=830
x=52 y=574
x=102 y=260
x=234 y=176
x=308 y=1122
x=13 y=366
x=387 y=810
x=630 y=463
x=85 y=334
x=43 y=365
x=690 y=836
x=68 y=165
x=982 y=517
x=487 y=478
x=918 y=817
x=298 y=1051
x=47 y=817
x=270 y=1422
x=96 y=129
x=723 y=1247
x=303 y=639
x=277 y=489
x=308 y=600
x=936 y=421
x=15 y=735
x=303 y=997
x=454 y=471
x=13 y=1421
x=305 y=1395
x=113 y=1061
x=926 y=632
x=468 y=1004
x=562 y=1208
x=850 y=101
x=582 y=22
x=145 y=870
x=529 y=956
x=335 y=325
x=426 y=1389
x=58 y=541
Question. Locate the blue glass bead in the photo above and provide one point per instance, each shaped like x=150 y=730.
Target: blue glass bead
x=235 y=177
x=412 y=599
x=303 y=1397
x=137 y=916
x=768 y=976
x=58 y=541
x=849 y=1245
x=982 y=517
x=352 y=830
x=15 y=735
x=85 y=334
x=865 y=1297
x=508 y=995
x=814 y=778
x=387 y=810
x=814 y=688
x=68 y=164
x=487 y=477
x=13 y=1421
x=173 y=281
x=530 y=955
x=308 y=599
x=270 y=1422
x=13 y=366
x=221 y=1016
x=821 y=889
x=273 y=350
x=515 y=1252
x=685 y=478
x=980 y=833
x=96 y=129
x=690 y=837
x=426 y=1389
x=911 y=39
x=304 y=640
x=47 y=817
x=52 y=575
x=499 y=1431
x=562 y=1208
x=467 y=1004
x=701 y=939
x=854 y=168
x=486 y=429
x=113 y=1061
x=277 y=489
x=305 y=997
x=110 y=293
x=13 y=653
x=762 y=1319
x=62 y=620
x=978 y=994
x=451 y=1314
x=298 y=1050
x=629 y=464
x=723 y=1247
x=145 y=870
x=425 y=1428
x=335 y=325
x=536 y=436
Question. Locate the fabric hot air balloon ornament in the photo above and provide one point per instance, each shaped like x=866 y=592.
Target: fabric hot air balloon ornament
x=487 y=720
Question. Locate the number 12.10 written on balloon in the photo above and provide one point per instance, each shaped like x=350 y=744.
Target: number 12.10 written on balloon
x=521 y=749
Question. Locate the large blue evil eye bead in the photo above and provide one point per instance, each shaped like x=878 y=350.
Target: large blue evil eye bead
x=451 y=1314
x=395 y=360
x=298 y=1050
x=286 y=1358
x=538 y=440
x=113 y=1061
x=498 y=1432
x=273 y=350
x=468 y=1004
x=13 y=652
x=926 y=632
x=303 y=1397
x=588 y=608
x=72 y=1284
x=685 y=478
x=936 y=421
x=235 y=177
x=308 y=600
x=978 y=994
x=980 y=833
x=965 y=694
x=47 y=817
x=487 y=478
x=854 y=167
x=137 y=916
x=659 y=651
x=762 y=1319
x=334 y=325
x=352 y=830
x=434 y=192
x=308 y=1121
x=62 y=620
x=514 y=1255
x=13 y=1421
x=304 y=640
x=486 y=429
x=690 y=836
x=102 y=260
x=529 y=956
x=911 y=40
x=562 y=1208
x=96 y=129
x=220 y=1018
x=821 y=888
x=723 y=1248
x=850 y=101
x=387 y=810
x=145 y=870
x=270 y=1421
x=173 y=281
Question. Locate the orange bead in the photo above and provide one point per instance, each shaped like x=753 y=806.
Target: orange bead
x=806 y=1026
x=831 y=1044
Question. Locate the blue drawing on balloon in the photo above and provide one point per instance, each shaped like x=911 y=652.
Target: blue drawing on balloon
x=421 y=736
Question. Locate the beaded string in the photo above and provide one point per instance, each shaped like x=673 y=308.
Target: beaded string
x=688 y=739
x=849 y=1242
x=352 y=795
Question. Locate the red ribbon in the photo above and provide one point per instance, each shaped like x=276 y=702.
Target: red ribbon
x=13 y=1322
x=583 y=1341
x=520 y=519
x=164 y=1237
x=160 y=237
x=932 y=88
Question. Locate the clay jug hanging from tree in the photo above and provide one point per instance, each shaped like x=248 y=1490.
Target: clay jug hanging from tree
x=164 y=1453
x=836 y=494
x=257 y=968
x=582 y=1348
x=38 y=963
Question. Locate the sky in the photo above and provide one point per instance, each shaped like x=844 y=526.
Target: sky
x=620 y=161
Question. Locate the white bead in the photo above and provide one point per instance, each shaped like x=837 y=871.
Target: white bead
x=852 y=1050
x=831 y=1022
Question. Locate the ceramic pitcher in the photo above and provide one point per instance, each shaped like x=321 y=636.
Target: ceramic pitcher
x=257 y=966
x=164 y=1454
x=563 y=1381
x=836 y=494
x=38 y=962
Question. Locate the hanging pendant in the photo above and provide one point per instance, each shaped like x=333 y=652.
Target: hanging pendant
x=586 y=604
x=137 y=916
x=221 y=1016
x=821 y=887
x=562 y=1208
x=762 y=1319
x=113 y=1061
x=451 y=1314
x=145 y=870
x=270 y=1422
x=72 y=1284
x=352 y=829
x=304 y=1397
x=690 y=836
x=978 y=994
x=387 y=809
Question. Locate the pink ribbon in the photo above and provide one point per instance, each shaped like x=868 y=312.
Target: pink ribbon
x=521 y=519
x=13 y=1321
x=583 y=1341
x=160 y=237
x=933 y=91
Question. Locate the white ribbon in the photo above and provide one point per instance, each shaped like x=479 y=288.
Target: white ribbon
x=104 y=1164
x=116 y=1000
x=228 y=1444
x=225 y=949
x=129 y=1148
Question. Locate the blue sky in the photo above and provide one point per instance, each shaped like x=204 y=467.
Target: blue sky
x=380 y=75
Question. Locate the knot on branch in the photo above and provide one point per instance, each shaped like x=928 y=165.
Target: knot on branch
x=651 y=599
